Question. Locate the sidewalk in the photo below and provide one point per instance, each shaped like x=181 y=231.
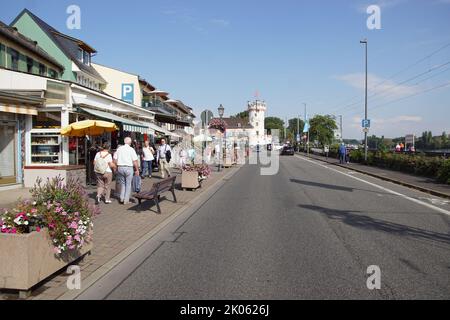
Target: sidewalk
x=417 y=182
x=117 y=228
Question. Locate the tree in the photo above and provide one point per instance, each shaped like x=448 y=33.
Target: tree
x=242 y=115
x=444 y=140
x=322 y=129
x=292 y=127
x=272 y=123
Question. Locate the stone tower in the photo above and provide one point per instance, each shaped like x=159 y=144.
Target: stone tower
x=257 y=115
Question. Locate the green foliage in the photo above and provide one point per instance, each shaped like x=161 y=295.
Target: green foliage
x=242 y=115
x=272 y=123
x=322 y=129
x=293 y=124
x=433 y=167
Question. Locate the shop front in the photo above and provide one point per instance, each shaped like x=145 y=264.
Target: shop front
x=15 y=108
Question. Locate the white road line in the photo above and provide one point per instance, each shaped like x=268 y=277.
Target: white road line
x=430 y=206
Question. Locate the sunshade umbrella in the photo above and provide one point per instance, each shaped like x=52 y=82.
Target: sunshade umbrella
x=202 y=138
x=88 y=128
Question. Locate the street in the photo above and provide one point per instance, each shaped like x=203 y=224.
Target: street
x=309 y=232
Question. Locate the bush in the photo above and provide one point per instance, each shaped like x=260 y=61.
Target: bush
x=418 y=164
x=444 y=172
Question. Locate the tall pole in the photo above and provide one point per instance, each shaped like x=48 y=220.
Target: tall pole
x=340 y=126
x=365 y=108
x=298 y=133
x=307 y=141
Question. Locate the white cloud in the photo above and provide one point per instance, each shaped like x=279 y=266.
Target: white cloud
x=379 y=87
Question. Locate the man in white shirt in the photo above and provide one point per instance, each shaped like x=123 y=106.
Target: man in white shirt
x=161 y=158
x=126 y=158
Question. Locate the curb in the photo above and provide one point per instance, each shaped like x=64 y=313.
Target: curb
x=115 y=261
x=405 y=184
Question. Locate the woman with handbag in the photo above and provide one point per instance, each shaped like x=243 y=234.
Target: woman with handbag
x=103 y=167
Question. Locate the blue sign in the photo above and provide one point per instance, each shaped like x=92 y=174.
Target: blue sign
x=128 y=92
x=366 y=123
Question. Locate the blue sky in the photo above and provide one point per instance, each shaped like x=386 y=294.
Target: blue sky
x=207 y=52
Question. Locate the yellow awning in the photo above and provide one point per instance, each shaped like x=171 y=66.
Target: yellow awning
x=88 y=128
x=18 y=109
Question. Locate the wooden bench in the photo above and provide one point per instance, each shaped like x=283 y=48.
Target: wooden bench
x=157 y=189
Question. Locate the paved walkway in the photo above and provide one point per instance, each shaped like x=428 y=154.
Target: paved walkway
x=400 y=177
x=115 y=229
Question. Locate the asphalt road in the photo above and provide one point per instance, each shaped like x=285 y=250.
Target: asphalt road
x=309 y=232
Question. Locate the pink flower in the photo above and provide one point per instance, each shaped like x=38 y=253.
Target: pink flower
x=38 y=229
x=56 y=250
x=71 y=247
x=14 y=230
x=73 y=225
x=77 y=238
x=51 y=225
x=69 y=242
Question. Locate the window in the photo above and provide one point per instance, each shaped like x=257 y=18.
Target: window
x=52 y=73
x=30 y=63
x=42 y=69
x=80 y=55
x=14 y=59
x=86 y=58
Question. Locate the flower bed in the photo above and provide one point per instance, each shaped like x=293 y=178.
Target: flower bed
x=56 y=223
x=218 y=124
x=204 y=171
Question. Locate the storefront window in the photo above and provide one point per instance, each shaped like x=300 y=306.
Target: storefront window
x=47 y=120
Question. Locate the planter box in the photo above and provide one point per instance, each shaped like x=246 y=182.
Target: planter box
x=27 y=259
x=189 y=180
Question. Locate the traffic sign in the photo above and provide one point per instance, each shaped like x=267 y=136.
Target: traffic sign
x=366 y=123
x=366 y=130
x=206 y=117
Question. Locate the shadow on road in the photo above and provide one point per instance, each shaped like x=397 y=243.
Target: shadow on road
x=357 y=219
x=334 y=187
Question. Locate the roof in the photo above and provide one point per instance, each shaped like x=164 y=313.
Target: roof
x=67 y=44
x=236 y=123
x=27 y=43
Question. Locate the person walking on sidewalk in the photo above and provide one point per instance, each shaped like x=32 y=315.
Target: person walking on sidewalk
x=147 y=159
x=342 y=153
x=126 y=159
x=103 y=167
x=163 y=157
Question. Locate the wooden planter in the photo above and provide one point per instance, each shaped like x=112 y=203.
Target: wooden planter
x=189 y=180
x=28 y=259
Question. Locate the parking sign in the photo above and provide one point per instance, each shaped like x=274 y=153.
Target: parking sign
x=128 y=92
x=366 y=123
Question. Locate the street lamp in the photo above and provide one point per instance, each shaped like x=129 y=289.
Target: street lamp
x=365 y=113
x=221 y=111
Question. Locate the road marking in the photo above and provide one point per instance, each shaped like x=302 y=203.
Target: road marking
x=430 y=206
x=436 y=201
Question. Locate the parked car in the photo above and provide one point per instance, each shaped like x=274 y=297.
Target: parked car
x=288 y=151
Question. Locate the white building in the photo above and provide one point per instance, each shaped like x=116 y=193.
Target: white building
x=257 y=115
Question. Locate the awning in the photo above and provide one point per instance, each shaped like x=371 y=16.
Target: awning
x=162 y=130
x=18 y=109
x=127 y=124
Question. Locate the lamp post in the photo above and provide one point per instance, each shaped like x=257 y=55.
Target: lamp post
x=221 y=111
x=365 y=113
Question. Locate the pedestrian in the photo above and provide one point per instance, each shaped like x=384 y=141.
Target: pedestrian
x=103 y=167
x=126 y=160
x=163 y=156
x=183 y=157
x=147 y=159
x=342 y=153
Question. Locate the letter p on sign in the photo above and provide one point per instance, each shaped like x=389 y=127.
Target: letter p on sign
x=128 y=92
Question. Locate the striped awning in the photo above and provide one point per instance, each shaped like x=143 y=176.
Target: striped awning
x=18 y=109
x=127 y=124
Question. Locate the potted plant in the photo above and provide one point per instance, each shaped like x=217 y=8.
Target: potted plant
x=42 y=235
x=193 y=175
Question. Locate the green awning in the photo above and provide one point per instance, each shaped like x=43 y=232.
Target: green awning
x=128 y=124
